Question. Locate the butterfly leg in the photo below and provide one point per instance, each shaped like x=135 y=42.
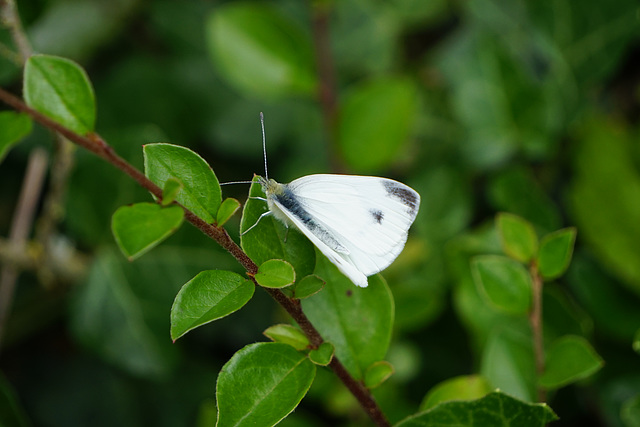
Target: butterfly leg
x=256 y=223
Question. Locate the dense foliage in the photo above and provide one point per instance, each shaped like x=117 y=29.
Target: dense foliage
x=515 y=120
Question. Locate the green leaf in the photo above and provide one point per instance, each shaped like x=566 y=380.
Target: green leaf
x=60 y=89
x=228 y=207
x=171 y=189
x=260 y=51
x=113 y=315
x=201 y=193
x=13 y=127
x=375 y=122
x=323 y=354
x=269 y=239
x=517 y=236
x=275 y=273
x=140 y=227
x=357 y=321
x=508 y=362
x=495 y=409
x=636 y=342
x=606 y=212
x=504 y=282
x=209 y=296
x=262 y=384
x=465 y=387
x=307 y=286
x=377 y=373
x=630 y=412
x=11 y=413
x=570 y=358
x=555 y=253
x=287 y=334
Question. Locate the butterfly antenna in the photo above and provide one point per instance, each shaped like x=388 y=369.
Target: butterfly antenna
x=264 y=146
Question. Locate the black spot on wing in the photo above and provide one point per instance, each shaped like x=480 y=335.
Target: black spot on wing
x=403 y=193
x=377 y=215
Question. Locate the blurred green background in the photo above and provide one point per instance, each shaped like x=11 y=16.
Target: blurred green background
x=525 y=106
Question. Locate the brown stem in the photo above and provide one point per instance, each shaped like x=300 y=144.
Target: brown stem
x=20 y=227
x=326 y=78
x=98 y=146
x=535 y=320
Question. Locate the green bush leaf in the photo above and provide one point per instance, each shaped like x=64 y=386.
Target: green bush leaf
x=357 y=321
x=570 y=358
x=140 y=227
x=375 y=122
x=60 y=89
x=260 y=51
x=275 y=273
x=630 y=412
x=508 y=362
x=377 y=373
x=11 y=412
x=555 y=253
x=201 y=192
x=517 y=236
x=262 y=384
x=269 y=239
x=323 y=354
x=504 y=282
x=171 y=189
x=466 y=387
x=209 y=296
x=307 y=286
x=636 y=342
x=13 y=127
x=495 y=409
x=226 y=210
x=287 y=334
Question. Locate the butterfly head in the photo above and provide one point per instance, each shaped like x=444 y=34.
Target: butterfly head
x=270 y=187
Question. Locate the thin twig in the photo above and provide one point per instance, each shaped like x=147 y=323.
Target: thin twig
x=11 y=19
x=95 y=144
x=535 y=319
x=20 y=227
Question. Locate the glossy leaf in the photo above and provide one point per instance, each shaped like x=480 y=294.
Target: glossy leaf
x=377 y=373
x=139 y=228
x=496 y=409
x=555 y=253
x=518 y=238
x=357 y=321
x=260 y=51
x=570 y=358
x=60 y=89
x=275 y=273
x=504 y=282
x=323 y=354
x=466 y=387
x=375 y=122
x=287 y=334
x=228 y=207
x=269 y=239
x=201 y=192
x=307 y=286
x=13 y=127
x=171 y=189
x=209 y=296
x=262 y=384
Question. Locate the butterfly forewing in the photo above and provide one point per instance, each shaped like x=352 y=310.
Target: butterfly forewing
x=369 y=216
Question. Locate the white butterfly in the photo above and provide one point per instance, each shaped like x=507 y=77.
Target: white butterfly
x=360 y=223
